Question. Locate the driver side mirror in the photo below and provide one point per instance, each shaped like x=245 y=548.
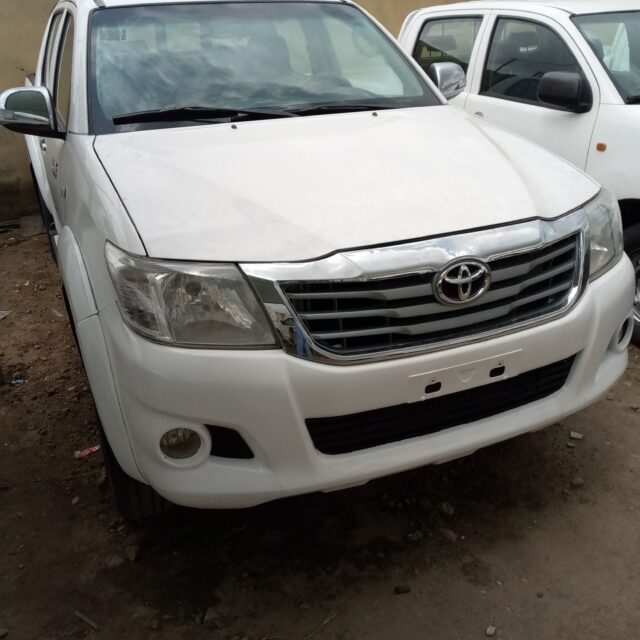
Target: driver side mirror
x=449 y=77
x=29 y=111
x=566 y=90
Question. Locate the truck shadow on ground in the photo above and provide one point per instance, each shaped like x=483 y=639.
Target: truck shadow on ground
x=319 y=546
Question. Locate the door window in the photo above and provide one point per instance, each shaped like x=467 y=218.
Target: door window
x=62 y=94
x=47 y=66
x=447 y=40
x=615 y=38
x=521 y=52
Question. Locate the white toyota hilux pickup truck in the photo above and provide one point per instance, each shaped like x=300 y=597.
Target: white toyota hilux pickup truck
x=563 y=73
x=290 y=265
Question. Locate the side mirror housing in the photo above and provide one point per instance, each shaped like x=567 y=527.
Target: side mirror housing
x=29 y=111
x=449 y=77
x=566 y=90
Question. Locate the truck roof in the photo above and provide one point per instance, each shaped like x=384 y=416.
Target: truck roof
x=573 y=7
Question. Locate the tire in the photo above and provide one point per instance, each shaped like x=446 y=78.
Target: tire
x=134 y=500
x=632 y=247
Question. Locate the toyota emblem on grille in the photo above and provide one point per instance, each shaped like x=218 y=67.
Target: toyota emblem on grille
x=462 y=282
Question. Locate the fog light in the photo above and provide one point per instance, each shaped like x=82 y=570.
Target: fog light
x=180 y=444
x=622 y=338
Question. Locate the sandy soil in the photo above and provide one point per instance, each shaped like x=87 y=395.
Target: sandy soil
x=537 y=537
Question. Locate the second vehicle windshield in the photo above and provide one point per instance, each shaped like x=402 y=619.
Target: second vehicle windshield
x=615 y=38
x=293 y=56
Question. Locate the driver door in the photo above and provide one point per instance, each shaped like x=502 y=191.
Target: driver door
x=521 y=49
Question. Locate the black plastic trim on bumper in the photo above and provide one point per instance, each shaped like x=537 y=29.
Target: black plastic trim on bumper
x=346 y=434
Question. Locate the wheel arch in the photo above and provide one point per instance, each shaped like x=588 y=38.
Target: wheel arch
x=630 y=209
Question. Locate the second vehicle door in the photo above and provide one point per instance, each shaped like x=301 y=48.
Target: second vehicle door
x=516 y=52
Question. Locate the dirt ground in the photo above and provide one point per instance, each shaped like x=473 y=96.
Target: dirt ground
x=538 y=537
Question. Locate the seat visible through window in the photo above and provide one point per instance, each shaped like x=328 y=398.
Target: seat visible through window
x=447 y=40
x=521 y=53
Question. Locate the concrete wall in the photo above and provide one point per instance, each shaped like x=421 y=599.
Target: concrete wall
x=22 y=23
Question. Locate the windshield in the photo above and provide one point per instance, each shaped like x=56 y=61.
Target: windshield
x=615 y=38
x=275 y=56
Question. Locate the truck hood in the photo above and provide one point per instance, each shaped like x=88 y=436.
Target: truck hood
x=300 y=188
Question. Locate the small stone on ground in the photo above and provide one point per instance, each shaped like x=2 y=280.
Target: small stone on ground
x=450 y=535
x=132 y=551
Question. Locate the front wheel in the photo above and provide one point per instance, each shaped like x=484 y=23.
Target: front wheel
x=632 y=247
x=134 y=500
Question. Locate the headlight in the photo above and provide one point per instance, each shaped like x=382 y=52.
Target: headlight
x=200 y=305
x=605 y=232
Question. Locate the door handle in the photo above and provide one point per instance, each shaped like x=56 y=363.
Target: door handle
x=479 y=114
x=43 y=145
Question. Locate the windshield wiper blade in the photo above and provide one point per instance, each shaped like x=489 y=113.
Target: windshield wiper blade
x=177 y=114
x=338 y=107
x=633 y=99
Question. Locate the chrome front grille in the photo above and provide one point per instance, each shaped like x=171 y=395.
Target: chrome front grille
x=376 y=303
x=399 y=312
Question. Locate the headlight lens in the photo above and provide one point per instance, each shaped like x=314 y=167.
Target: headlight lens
x=187 y=304
x=605 y=232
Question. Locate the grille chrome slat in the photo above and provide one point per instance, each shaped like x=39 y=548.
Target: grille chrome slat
x=499 y=275
x=374 y=294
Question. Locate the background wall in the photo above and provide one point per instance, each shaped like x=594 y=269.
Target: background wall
x=393 y=12
x=20 y=36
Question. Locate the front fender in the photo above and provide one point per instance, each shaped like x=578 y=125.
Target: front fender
x=75 y=278
x=93 y=350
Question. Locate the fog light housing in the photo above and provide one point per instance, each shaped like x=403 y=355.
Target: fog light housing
x=622 y=337
x=180 y=444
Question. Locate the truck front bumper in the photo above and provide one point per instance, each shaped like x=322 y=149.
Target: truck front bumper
x=267 y=396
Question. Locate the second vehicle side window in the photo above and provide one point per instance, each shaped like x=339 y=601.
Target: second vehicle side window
x=521 y=52
x=62 y=95
x=447 y=40
x=47 y=66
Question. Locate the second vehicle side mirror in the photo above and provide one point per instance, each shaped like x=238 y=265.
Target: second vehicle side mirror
x=566 y=90
x=29 y=111
x=449 y=77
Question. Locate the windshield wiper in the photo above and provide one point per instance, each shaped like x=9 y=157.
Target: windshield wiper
x=633 y=100
x=338 y=107
x=194 y=114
